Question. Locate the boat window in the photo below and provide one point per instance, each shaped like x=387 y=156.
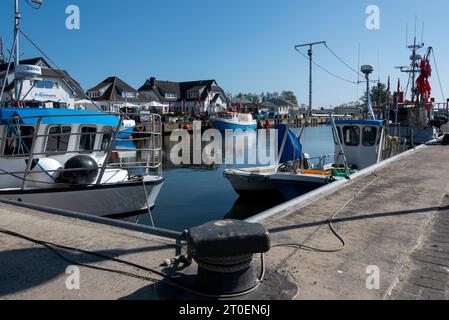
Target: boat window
x=58 y=139
x=107 y=138
x=351 y=136
x=379 y=136
x=369 y=136
x=87 y=139
x=19 y=140
x=335 y=136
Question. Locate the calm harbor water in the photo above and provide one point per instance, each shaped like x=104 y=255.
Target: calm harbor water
x=194 y=195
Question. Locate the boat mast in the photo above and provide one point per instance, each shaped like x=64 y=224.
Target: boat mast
x=17 y=18
x=414 y=68
x=415 y=65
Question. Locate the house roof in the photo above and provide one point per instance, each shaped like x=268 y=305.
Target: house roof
x=276 y=102
x=115 y=89
x=160 y=88
x=48 y=71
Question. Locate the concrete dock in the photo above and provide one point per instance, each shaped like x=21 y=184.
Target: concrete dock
x=395 y=225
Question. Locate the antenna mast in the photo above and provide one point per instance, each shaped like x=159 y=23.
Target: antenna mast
x=17 y=18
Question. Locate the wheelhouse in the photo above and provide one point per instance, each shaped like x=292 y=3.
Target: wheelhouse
x=361 y=141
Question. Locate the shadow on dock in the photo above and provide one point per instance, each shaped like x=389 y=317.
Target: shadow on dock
x=358 y=218
x=35 y=269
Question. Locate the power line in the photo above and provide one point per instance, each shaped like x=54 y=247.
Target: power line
x=327 y=71
x=58 y=69
x=342 y=61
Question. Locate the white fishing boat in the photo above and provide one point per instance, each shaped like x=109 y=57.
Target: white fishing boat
x=252 y=181
x=67 y=160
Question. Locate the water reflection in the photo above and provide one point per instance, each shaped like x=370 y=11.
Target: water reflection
x=246 y=208
x=196 y=193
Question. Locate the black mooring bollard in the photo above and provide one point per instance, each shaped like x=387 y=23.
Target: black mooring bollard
x=224 y=251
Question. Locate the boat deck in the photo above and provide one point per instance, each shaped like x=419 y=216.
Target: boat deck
x=399 y=222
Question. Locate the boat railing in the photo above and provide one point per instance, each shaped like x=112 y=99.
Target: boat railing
x=441 y=108
x=139 y=152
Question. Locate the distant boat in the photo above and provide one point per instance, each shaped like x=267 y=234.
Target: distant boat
x=127 y=129
x=234 y=121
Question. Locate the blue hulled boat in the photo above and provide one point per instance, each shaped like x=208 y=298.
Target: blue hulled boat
x=234 y=121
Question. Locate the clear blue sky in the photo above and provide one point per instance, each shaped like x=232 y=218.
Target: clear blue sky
x=246 y=45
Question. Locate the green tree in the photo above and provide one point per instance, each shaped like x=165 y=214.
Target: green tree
x=289 y=96
x=254 y=98
x=379 y=95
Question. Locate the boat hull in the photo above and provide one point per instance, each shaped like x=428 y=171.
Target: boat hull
x=126 y=133
x=223 y=126
x=293 y=186
x=252 y=182
x=107 y=200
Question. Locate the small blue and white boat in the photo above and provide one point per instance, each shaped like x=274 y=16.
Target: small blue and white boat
x=284 y=178
x=234 y=121
x=126 y=132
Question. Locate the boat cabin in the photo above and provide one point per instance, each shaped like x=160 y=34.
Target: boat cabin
x=361 y=141
x=58 y=134
x=236 y=117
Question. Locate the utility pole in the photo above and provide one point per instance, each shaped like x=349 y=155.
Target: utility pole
x=310 y=54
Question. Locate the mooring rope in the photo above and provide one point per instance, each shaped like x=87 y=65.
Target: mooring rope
x=302 y=246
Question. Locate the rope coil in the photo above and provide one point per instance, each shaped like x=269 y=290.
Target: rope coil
x=225 y=264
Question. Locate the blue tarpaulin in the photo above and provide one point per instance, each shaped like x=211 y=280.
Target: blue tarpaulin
x=30 y=116
x=292 y=148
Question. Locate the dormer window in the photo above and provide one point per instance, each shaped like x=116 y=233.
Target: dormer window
x=94 y=94
x=170 y=95
x=192 y=95
x=128 y=95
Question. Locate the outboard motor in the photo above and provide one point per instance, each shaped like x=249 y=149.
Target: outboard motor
x=80 y=170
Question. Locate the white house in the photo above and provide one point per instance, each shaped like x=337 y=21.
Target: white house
x=277 y=106
x=188 y=97
x=113 y=94
x=53 y=89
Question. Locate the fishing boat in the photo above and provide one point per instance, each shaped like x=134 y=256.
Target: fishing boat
x=234 y=121
x=413 y=115
x=66 y=160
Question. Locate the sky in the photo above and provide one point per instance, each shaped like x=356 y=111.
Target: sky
x=246 y=45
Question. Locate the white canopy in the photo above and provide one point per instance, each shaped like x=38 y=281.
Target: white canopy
x=155 y=104
x=84 y=101
x=126 y=105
